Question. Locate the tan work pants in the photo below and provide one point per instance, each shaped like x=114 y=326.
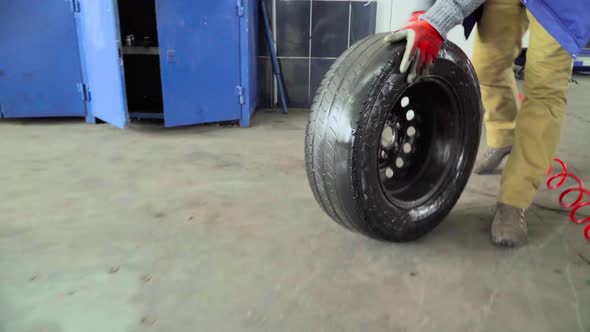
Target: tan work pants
x=533 y=128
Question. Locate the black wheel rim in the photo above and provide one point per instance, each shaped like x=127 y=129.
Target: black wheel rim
x=420 y=143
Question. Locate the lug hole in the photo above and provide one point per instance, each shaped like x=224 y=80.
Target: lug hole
x=389 y=172
x=405 y=101
x=407 y=148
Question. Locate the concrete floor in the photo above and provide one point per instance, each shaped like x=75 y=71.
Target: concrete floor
x=215 y=229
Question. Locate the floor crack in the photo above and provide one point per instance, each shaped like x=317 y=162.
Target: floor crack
x=585 y=259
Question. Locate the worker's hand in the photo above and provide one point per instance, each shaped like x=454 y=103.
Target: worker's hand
x=423 y=44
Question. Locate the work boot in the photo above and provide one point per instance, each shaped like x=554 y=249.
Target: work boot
x=509 y=228
x=490 y=159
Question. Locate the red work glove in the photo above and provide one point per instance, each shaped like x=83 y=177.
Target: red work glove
x=415 y=17
x=423 y=44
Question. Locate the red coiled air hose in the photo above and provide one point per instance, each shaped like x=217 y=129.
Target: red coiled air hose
x=579 y=190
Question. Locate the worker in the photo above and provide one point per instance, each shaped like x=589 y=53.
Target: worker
x=529 y=133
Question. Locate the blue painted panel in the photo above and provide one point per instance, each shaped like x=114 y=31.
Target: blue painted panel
x=200 y=60
x=40 y=70
x=103 y=66
x=248 y=35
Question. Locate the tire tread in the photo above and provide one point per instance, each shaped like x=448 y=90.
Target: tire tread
x=321 y=132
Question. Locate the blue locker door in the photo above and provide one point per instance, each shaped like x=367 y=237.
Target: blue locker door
x=199 y=60
x=40 y=72
x=98 y=30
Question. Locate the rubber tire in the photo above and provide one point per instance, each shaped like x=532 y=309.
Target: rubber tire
x=343 y=129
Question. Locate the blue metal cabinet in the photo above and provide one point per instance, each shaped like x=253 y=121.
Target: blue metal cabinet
x=205 y=51
x=40 y=72
x=200 y=61
x=98 y=31
x=67 y=58
x=248 y=46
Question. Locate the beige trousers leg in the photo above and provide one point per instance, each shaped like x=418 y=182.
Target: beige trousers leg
x=534 y=131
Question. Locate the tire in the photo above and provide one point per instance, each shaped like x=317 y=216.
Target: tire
x=368 y=169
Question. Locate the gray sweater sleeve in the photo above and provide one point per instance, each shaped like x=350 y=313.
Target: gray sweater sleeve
x=446 y=14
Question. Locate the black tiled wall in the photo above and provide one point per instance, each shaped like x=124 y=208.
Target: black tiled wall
x=329 y=33
x=310 y=35
x=292 y=25
x=363 y=20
